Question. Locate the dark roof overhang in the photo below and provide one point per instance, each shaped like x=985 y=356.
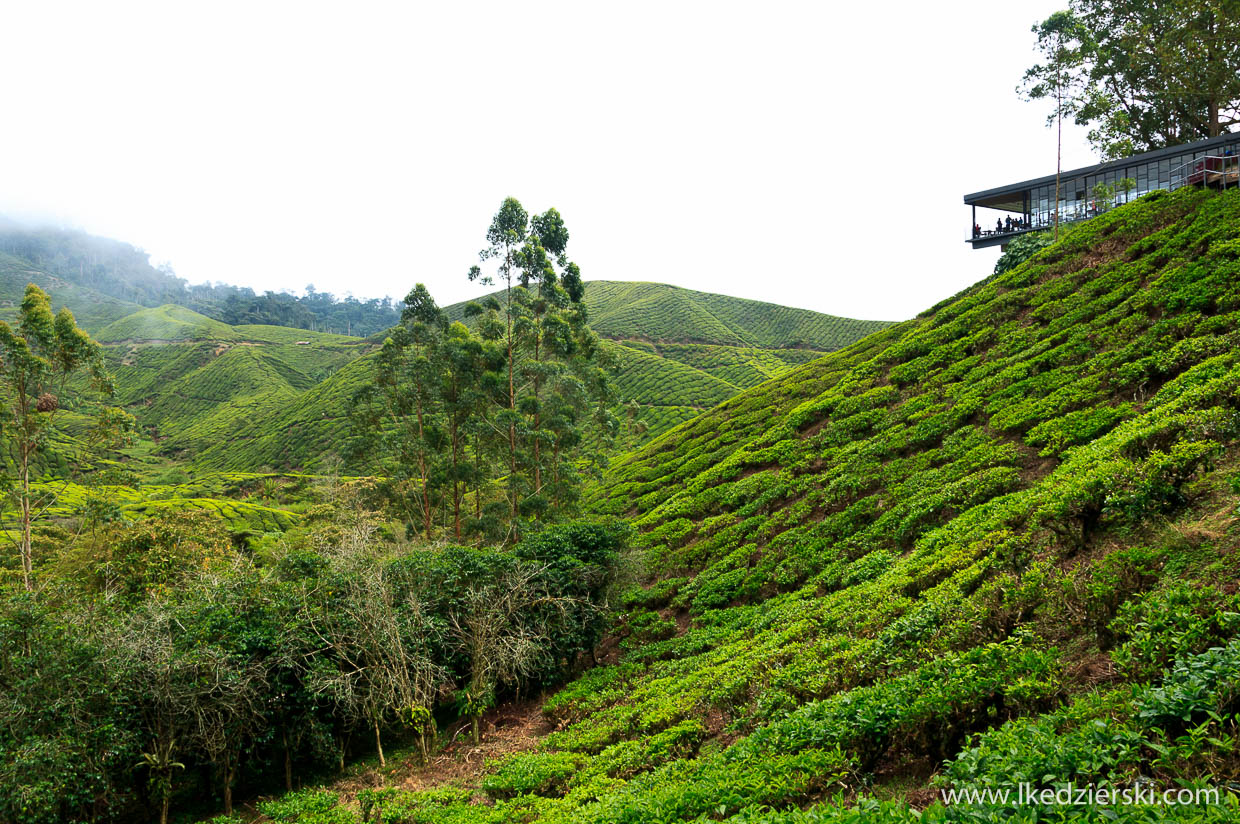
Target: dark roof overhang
x=1011 y=197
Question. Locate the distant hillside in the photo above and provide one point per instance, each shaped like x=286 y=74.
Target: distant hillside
x=95 y=272
x=93 y=309
x=681 y=351
x=658 y=312
x=164 y=323
x=669 y=314
x=203 y=390
x=241 y=396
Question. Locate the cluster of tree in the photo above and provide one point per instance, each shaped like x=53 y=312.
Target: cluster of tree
x=160 y=667
x=121 y=271
x=141 y=664
x=512 y=402
x=1141 y=75
x=37 y=360
x=317 y=311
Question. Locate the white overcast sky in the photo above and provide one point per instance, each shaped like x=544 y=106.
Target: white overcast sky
x=809 y=154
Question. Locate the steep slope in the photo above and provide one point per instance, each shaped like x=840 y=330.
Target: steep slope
x=1013 y=516
x=308 y=430
x=200 y=387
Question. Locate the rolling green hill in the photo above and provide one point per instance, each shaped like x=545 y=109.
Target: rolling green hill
x=204 y=390
x=681 y=351
x=624 y=310
x=993 y=544
x=251 y=397
x=244 y=397
x=164 y=324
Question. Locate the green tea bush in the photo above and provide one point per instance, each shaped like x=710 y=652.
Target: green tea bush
x=307 y=807
x=538 y=773
x=1171 y=623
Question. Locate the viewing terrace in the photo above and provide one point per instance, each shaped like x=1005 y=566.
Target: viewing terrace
x=1029 y=206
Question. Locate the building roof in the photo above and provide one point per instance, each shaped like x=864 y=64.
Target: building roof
x=1001 y=194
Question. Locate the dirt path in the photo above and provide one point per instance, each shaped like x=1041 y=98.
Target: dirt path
x=511 y=728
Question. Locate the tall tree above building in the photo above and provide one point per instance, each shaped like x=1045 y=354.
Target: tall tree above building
x=1143 y=75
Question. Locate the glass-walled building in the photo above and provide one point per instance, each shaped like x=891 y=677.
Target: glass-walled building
x=1001 y=213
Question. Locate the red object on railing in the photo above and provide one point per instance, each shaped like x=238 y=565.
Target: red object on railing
x=1203 y=165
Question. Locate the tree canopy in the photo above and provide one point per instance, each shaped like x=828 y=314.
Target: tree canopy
x=1141 y=75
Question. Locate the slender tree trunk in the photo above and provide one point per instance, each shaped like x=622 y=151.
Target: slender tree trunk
x=27 y=549
x=456 y=483
x=478 y=477
x=512 y=408
x=426 y=481
x=379 y=743
x=1213 y=103
x=1058 y=139
x=288 y=764
x=456 y=509
x=537 y=409
x=476 y=726
x=555 y=469
x=229 y=773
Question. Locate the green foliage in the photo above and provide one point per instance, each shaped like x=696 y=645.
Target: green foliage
x=1104 y=738
x=1137 y=98
x=195 y=669
x=153 y=556
x=1171 y=623
x=1021 y=249
x=537 y=773
x=306 y=807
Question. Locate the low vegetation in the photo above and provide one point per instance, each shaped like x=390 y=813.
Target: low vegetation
x=198 y=668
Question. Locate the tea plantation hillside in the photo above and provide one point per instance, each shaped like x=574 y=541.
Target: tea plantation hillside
x=163 y=324
x=252 y=397
x=994 y=544
x=659 y=312
x=244 y=397
x=680 y=351
x=307 y=430
x=199 y=387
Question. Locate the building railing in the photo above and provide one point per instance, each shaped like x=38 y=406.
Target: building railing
x=1209 y=170
x=1034 y=224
